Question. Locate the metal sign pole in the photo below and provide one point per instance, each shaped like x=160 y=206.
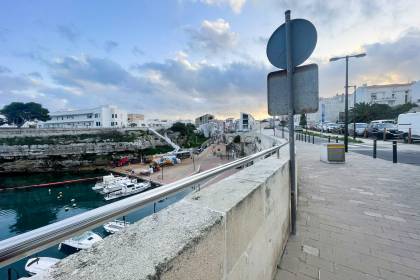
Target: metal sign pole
x=289 y=69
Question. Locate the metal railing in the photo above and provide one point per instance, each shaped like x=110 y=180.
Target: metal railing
x=26 y=244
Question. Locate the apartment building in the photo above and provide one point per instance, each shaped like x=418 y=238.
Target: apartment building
x=100 y=117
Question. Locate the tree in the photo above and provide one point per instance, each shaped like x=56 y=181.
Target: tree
x=19 y=112
x=183 y=129
x=364 y=112
x=303 y=121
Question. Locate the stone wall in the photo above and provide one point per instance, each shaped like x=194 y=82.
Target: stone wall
x=44 y=132
x=234 y=229
x=42 y=151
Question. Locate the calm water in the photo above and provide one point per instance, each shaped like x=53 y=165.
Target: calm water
x=22 y=211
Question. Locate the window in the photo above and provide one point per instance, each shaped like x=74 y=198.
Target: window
x=96 y=115
x=116 y=116
x=393 y=95
x=89 y=116
x=373 y=96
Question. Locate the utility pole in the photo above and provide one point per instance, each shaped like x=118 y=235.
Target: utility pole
x=291 y=113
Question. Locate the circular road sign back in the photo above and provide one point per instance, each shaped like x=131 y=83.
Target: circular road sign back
x=304 y=37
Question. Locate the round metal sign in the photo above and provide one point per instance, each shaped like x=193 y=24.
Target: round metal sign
x=304 y=37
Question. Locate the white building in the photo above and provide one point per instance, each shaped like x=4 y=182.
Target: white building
x=391 y=94
x=246 y=122
x=100 y=117
x=331 y=109
x=211 y=128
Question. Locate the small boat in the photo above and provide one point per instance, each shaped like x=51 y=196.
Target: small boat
x=115 y=226
x=127 y=190
x=39 y=264
x=84 y=241
x=111 y=183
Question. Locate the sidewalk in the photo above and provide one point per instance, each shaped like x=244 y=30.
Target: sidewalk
x=359 y=220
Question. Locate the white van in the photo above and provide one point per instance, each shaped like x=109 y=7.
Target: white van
x=407 y=121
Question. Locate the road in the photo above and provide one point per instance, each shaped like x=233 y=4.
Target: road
x=407 y=153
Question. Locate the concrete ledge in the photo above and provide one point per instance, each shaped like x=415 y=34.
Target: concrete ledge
x=234 y=229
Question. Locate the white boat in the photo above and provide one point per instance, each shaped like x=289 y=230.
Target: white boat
x=128 y=189
x=40 y=264
x=111 y=183
x=115 y=226
x=84 y=241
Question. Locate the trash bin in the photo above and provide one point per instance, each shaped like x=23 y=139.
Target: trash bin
x=333 y=153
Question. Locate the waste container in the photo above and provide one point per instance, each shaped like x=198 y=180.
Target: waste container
x=333 y=153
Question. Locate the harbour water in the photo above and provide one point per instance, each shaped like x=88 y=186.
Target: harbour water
x=25 y=210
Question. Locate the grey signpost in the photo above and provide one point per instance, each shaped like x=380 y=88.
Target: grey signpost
x=289 y=46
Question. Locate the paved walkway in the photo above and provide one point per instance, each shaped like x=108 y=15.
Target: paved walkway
x=359 y=220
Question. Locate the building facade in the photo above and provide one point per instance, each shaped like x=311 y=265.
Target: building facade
x=331 y=109
x=100 y=117
x=203 y=119
x=246 y=122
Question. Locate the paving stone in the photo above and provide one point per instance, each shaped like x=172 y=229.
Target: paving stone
x=310 y=250
x=373 y=214
x=352 y=227
x=395 y=218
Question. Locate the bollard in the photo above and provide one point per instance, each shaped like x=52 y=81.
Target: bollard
x=336 y=139
x=410 y=140
x=305 y=136
x=374 y=148
x=329 y=139
x=384 y=134
x=313 y=139
x=394 y=151
x=297 y=136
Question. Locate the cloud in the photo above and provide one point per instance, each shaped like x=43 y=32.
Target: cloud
x=4 y=69
x=74 y=71
x=137 y=51
x=235 y=5
x=68 y=32
x=110 y=45
x=212 y=36
x=35 y=75
x=395 y=61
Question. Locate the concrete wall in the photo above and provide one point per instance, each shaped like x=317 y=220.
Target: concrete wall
x=234 y=229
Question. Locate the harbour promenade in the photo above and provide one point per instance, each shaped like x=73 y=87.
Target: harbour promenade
x=358 y=220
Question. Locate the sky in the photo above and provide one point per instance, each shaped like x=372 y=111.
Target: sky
x=179 y=59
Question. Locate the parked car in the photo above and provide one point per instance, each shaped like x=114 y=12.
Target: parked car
x=331 y=127
x=360 y=129
x=383 y=121
x=407 y=121
x=377 y=130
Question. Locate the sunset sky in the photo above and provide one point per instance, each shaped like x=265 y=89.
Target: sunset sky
x=179 y=59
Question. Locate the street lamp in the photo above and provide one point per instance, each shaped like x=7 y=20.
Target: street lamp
x=354 y=112
x=346 y=104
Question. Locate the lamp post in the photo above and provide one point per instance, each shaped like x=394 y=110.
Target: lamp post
x=346 y=102
x=354 y=112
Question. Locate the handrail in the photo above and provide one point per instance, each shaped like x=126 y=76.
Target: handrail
x=26 y=244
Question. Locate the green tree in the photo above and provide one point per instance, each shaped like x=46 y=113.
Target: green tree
x=364 y=112
x=19 y=112
x=303 y=121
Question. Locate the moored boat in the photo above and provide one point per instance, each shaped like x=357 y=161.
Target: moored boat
x=39 y=264
x=127 y=190
x=84 y=241
x=115 y=226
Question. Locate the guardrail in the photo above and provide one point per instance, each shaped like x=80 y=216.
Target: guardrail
x=26 y=244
